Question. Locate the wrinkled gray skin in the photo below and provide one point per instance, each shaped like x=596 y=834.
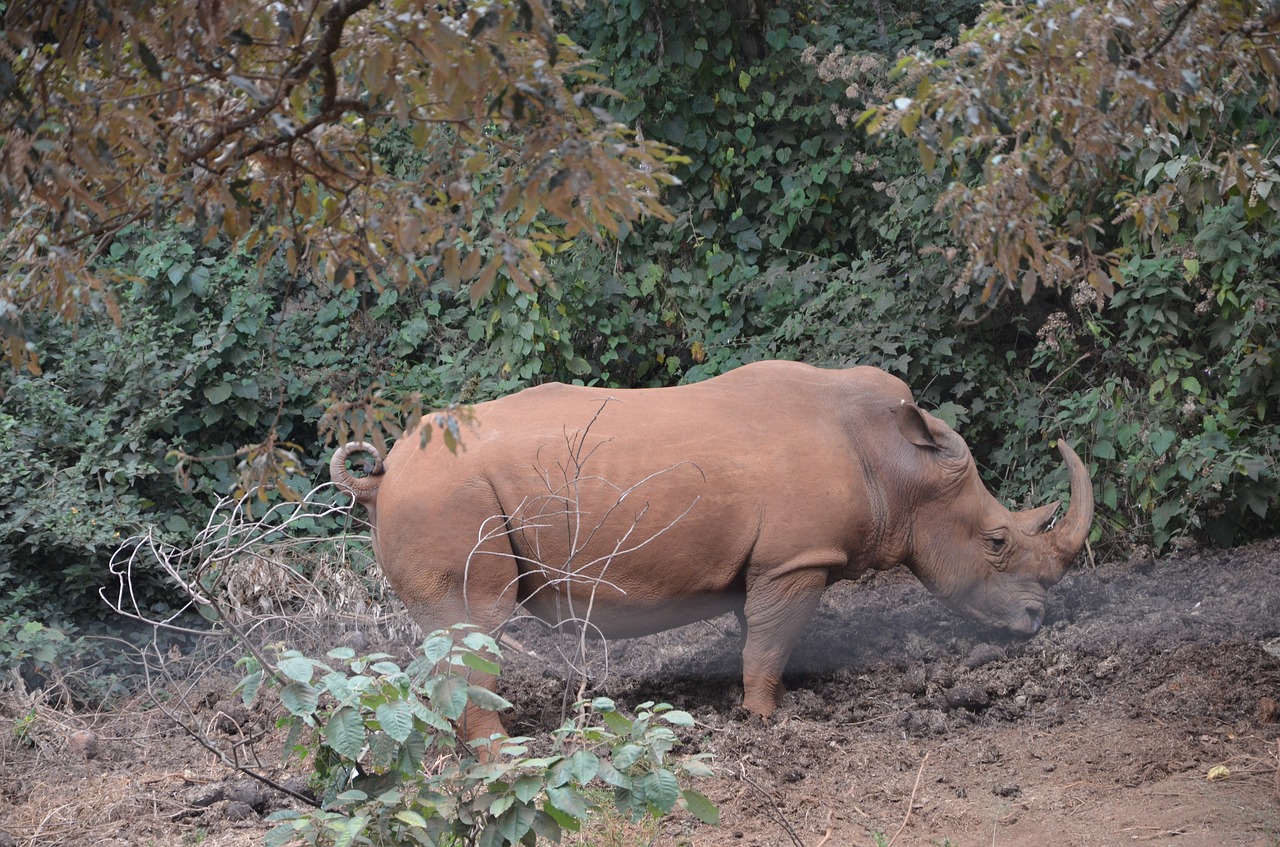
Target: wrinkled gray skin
x=749 y=493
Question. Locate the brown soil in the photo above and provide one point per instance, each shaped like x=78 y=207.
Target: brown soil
x=903 y=724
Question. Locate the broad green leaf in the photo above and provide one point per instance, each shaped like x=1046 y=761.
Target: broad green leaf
x=661 y=789
x=583 y=766
x=567 y=799
x=448 y=694
x=345 y=733
x=300 y=698
x=478 y=663
x=218 y=393
x=429 y=716
x=486 y=699
x=297 y=668
x=353 y=795
x=1161 y=440
x=527 y=787
x=249 y=687
x=626 y=756
x=340 y=688
x=481 y=642
x=412 y=818
x=613 y=776
x=350 y=830
x=413 y=752
x=677 y=717
x=548 y=827
x=700 y=807
x=436 y=648
x=395 y=718
x=517 y=820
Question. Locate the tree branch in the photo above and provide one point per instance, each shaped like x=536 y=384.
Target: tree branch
x=1173 y=30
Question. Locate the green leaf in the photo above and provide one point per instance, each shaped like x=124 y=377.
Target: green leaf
x=300 y=698
x=340 y=688
x=436 y=648
x=486 y=699
x=583 y=766
x=395 y=718
x=527 y=787
x=479 y=663
x=626 y=756
x=700 y=807
x=345 y=733
x=678 y=717
x=1161 y=440
x=613 y=776
x=661 y=789
x=548 y=827
x=412 y=818
x=412 y=753
x=561 y=818
x=481 y=642
x=297 y=668
x=448 y=694
x=217 y=394
x=1164 y=513
x=349 y=830
x=249 y=687
x=698 y=765
x=1192 y=385
x=516 y=821
x=568 y=801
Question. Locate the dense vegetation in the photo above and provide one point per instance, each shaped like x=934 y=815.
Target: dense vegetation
x=793 y=234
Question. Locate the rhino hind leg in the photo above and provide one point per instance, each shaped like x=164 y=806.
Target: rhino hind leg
x=442 y=586
x=777 y=611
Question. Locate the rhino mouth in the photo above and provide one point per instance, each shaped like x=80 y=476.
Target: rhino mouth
x=1027 y=621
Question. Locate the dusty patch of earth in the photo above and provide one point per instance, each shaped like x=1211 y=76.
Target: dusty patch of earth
x=901 y=722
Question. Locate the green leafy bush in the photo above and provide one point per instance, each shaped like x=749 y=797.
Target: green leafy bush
x=390 y=768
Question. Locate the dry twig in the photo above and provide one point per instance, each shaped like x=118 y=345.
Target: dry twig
x=911 y=801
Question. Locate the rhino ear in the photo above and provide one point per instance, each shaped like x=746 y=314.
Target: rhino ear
x=914 y=426
x=1038 y=521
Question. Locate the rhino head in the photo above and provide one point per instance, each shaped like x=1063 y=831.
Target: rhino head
x=983 y=560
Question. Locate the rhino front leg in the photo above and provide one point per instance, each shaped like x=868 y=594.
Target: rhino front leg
x=777 y=610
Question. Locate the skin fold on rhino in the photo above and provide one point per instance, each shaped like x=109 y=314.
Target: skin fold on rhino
x=639 y=510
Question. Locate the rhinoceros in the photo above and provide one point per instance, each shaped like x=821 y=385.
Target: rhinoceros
x=631 y=511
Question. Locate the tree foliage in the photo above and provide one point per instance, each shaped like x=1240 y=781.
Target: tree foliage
x=1059 y=121
x=264 y=123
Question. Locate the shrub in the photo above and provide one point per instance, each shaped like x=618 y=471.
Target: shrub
x=390 y=768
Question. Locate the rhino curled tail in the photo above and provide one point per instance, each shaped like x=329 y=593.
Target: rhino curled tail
x=363 y=488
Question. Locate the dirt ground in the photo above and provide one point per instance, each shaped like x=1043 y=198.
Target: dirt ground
x=1146 y=712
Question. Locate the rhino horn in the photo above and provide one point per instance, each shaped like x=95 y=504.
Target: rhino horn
x=1067 y=539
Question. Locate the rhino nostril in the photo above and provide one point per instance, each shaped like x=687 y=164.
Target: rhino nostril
x=1036 y=616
